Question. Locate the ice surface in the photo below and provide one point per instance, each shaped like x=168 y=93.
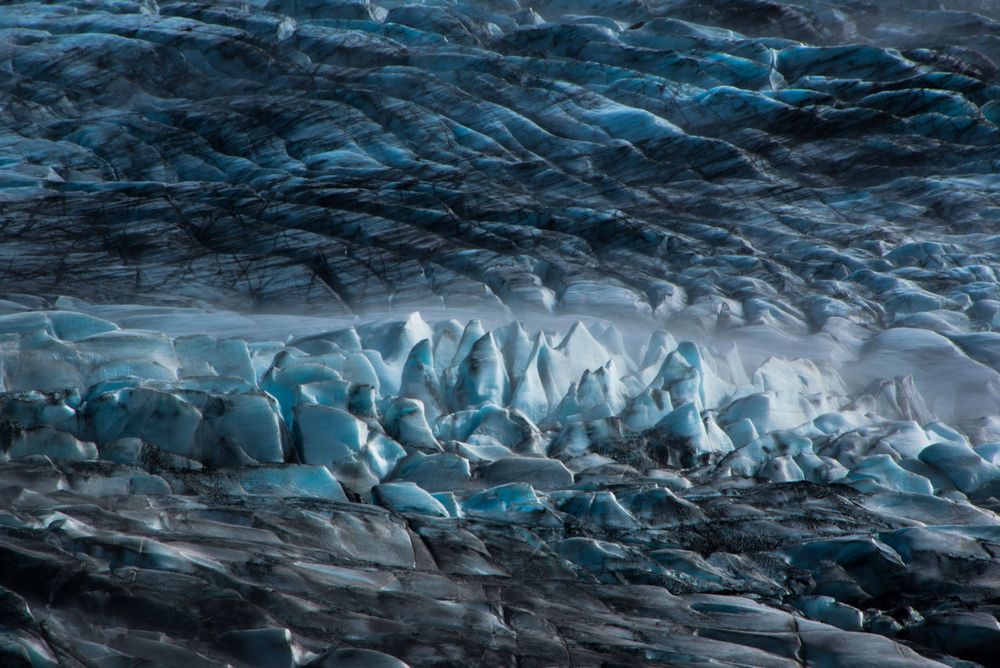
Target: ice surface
x=705 y=369
x=594 y=455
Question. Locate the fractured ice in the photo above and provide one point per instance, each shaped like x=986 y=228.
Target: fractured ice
x=615 y=457
x=771 y=439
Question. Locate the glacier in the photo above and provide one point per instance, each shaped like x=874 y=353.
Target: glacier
x=353 y=333
x=665 y=472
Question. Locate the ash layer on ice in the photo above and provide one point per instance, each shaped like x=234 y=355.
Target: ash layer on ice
x=774 y=441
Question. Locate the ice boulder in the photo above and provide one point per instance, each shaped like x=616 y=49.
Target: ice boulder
x=322 y=432
x=346 y=340
x=963 y=466
x=262 y=647
x=450 y=503
x=599 y=394
x=510 y=500
x=335 y=393
x=64 y=325
x=539 y=472
x=482 y=377
x=408 y=497
x=818 y=469
x=781 y=469
x=336 y=439
x=605 y=559
x=749 y=459
x=39 y=361
x=906 y=438
x=660 y=507
x=435 y=473
x=420 y=381
x=202 y=355
x=491 y=425
x=251 y=422
x=990 y=452
x=685 y=438
x=599 y=508
x=828 y=610
x=646 y=409
x=283 y=383
x=405 y=421
x=741 y=432
x=291 y=480
x=769 y=411
x=53 y=409
x=360 y=369
x=159 y=418
x=118 y=353
x=382 y=454
x=394 y=341
x=680 y=379
x=883 y=470
x=52 y=443
x=531 y=395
